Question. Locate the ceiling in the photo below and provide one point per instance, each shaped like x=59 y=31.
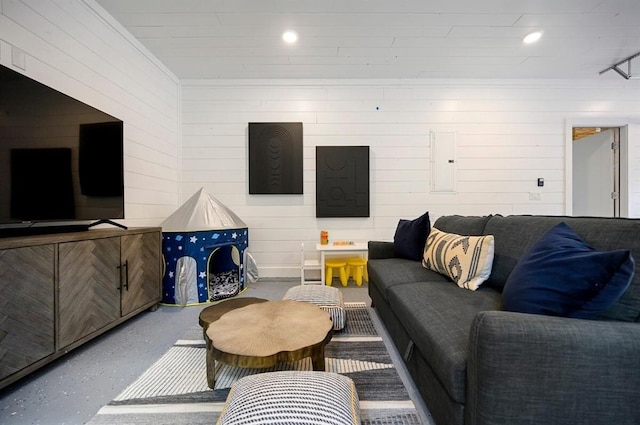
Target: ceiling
x=385 y=38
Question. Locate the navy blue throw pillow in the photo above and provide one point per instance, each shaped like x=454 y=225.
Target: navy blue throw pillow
x=411 y=237
x=561 y=275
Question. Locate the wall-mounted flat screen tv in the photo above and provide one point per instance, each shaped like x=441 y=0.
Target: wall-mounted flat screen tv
x=61 y=160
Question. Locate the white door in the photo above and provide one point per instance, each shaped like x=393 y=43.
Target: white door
x=596 y=174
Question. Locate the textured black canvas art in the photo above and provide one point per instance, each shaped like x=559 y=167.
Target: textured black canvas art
x=275 y=158
x=342 y=181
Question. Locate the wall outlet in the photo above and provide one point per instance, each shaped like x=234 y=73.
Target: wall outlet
x=535 y=196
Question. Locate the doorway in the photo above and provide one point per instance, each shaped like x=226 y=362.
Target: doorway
x=597 y=185
x=224 y=272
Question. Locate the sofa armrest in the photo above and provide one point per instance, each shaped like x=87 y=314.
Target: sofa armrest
x=533 y=369
x=380 y=249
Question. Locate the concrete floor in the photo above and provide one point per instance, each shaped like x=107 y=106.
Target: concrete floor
x=73 y=388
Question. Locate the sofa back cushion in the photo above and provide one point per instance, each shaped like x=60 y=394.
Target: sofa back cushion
x=515 y=235
x=462 y=225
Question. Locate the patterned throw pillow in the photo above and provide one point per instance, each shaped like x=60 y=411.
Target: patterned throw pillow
x=466 y=260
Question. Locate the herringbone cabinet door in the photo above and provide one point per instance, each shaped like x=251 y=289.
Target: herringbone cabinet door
x=89 y=293
x=141 y=283
x=26 y=307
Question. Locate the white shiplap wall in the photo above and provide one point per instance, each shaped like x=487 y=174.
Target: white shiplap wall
x=79 y=50
x=509 y=133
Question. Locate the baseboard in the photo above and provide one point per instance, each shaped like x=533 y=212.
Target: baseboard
x=279 y=271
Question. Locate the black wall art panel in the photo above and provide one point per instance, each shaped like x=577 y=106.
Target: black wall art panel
x=275 y=158
x=342 y=181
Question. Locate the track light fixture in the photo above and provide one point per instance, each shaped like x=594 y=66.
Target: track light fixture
x=626 y=75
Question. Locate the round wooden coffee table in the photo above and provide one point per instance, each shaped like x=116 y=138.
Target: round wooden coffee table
x=261 y=335
x=210 y=314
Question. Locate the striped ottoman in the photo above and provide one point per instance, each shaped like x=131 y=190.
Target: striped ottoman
x=327 y=298
x=292 y=397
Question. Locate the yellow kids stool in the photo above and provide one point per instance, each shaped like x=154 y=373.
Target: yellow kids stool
x=358 y=266
x=332 y=264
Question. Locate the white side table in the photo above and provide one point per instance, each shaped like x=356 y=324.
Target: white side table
x=359 y=248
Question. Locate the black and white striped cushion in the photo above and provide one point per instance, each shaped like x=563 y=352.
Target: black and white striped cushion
x=467 y=260
x=327 y=298
x=292 y=397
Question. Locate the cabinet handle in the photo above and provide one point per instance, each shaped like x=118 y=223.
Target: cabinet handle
x=126 y=275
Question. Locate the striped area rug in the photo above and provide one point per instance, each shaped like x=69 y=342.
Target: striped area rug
x=174 y=389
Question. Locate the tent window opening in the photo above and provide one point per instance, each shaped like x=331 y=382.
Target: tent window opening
x=223 y=272
x=186 y=284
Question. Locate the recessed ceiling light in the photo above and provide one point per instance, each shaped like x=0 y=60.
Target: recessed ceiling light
x=290 y=37
x=532 y=37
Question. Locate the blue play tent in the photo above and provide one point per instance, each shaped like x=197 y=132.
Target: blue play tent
x=203 y=245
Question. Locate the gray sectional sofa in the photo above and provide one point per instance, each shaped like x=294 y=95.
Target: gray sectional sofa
x=475 y=363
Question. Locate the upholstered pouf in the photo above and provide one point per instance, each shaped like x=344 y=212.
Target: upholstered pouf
x=327 y=298
x=292 y=397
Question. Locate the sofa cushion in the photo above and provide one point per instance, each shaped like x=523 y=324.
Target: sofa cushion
x=603 y=234
x=466 y=260
x=410 y=237
x=438 y=316
x=563 y=276
x=513 y=237
x=606 y=234
x=463 y=225
x=389 y=272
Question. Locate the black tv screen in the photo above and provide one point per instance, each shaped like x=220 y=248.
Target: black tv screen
x=60 y=159
x=100 y=159
x=53 y=182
